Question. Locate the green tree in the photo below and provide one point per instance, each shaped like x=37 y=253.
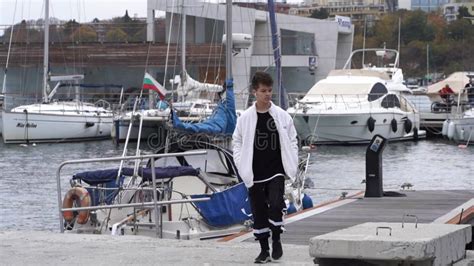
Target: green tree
x=116 y=35
x=415 y=27
x=321 y=13
x=70 y=27
x=84 y=34
x=463 y=12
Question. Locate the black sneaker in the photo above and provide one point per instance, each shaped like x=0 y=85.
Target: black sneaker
x=263 y=257
x=277 y=250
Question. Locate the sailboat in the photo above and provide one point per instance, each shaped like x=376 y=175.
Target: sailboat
x=53 y=120
x=150 y=122
x=189 y=189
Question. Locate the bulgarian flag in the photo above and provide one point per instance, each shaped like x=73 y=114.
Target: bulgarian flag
x=149 y=83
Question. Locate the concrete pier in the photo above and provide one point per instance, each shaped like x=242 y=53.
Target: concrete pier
x=393 y=244
x=48 y=248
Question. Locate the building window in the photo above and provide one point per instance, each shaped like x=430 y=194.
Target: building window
x=297 y=43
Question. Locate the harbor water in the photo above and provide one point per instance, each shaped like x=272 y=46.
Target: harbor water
x=28 y=194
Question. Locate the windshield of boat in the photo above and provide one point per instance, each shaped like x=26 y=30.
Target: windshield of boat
x=214 y=161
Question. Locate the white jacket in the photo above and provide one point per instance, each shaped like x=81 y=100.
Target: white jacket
x=244 y=136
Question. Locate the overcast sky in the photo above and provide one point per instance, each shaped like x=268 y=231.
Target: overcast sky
x=80 y=10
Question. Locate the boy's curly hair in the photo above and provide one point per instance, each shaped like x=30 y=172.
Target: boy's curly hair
x=263 y=78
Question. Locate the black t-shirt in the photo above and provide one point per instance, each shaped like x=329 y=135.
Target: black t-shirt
x=266 y=149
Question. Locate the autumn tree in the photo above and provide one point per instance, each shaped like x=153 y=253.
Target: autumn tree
x=84 y=34
x=116 y=35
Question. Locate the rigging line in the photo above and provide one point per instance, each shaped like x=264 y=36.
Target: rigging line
x=80 y=35
x=168 y=48
x=210 y=51
x=218 y=59
x=60 y=42
x=221 y=54
x=245 y=51
x=73 y=42
x=23 y=85
x=9 y=49
x=176 y=48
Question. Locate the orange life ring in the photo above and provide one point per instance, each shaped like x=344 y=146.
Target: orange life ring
x=81 y=197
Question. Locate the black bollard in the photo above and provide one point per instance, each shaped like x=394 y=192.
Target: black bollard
x=373 y=167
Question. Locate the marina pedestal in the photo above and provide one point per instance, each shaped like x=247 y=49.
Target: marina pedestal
x=392 y=244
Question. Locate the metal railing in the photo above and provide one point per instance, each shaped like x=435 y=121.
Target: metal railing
x=349 y=101
x=155 y=203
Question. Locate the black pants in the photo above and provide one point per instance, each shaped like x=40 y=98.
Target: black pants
x=268 y=207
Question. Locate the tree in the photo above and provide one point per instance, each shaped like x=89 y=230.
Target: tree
x=463 y=12
x=321 y=13
x=70 y=27
x=415 y=27
x=84 y=34
x=116 y=35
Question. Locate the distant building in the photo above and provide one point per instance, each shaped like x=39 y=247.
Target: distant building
x=357 y=10
x=428 y=5
x=450 y=10
x=404 y=4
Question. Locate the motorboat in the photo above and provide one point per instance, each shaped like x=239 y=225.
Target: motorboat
x=350 y=106
x=460 y=128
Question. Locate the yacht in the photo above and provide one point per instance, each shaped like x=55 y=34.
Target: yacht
x=350 y=106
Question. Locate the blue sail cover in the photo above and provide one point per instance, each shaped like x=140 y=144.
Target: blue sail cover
x=102 y=176
x=107 y=179
x=223 y=120
x=225 y=208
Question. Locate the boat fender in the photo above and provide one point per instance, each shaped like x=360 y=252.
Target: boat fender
x=371 y=124
x=444 y=131
x=80 y=197
x=307 y=202
x=461 y=135
x=451 y=129
x=291 y=208
x=415 y=133
x=394 y=125
x=408 y=125
x=89 y=124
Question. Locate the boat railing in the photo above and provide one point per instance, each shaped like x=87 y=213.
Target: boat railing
x=334 y=101
x=108 y=101
x=155 y=204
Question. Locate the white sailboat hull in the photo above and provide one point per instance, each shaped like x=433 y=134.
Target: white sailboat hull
x=46 y=127
x=352 y=127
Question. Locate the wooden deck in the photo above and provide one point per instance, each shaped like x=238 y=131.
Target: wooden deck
x=426 y=205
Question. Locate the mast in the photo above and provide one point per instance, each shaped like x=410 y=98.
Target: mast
x=427 y=64
x=8 y=54
x=183 y=39
x=282 y=100
x=228 y=23
x=46 y=51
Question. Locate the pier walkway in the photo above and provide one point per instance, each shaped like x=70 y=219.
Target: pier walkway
x=428 y=206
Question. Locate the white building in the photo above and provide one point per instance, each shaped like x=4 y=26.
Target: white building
x=451 y=9
x=301 y=39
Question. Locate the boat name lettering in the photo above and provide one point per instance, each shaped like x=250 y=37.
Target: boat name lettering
x=32 y=125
